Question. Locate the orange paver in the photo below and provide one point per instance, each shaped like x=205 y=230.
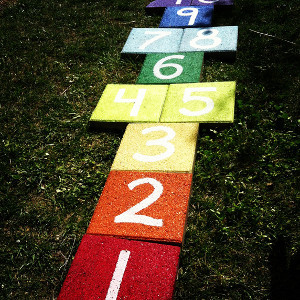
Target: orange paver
x=164 y=196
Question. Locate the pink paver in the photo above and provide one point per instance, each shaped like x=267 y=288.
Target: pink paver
x=111 y=268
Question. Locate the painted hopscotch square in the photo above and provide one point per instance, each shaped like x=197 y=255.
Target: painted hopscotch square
x=209 y=102
x=162 y=68
x=130 y=103
x=210 y=39
x=158 y=147
x=190 y=16
x=153 y=40
x=167 y=3
x=111 y=268
x=212 y=2
x=122 y=210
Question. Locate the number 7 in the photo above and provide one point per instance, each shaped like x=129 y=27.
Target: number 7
x=159 y=35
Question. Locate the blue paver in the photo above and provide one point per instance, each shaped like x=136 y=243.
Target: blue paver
x=189 y=16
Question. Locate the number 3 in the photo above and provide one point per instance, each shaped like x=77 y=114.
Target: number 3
x=129 y=216
x=159 y=142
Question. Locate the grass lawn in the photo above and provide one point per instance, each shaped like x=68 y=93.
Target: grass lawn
x=56 y=57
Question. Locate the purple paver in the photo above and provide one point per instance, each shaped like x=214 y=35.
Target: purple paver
x=212 y=2
x=167 y=3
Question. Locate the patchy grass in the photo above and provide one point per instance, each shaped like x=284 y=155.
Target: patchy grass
x=56 y=58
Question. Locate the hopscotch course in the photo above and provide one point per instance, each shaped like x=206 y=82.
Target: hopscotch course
x=132 y=245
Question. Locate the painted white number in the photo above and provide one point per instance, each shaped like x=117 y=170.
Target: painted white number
x=130 y=216
x=206 y=34
x=160 y=142
x=208 y=1
x=115 y=283
x=158 y=35
x=137 y=102
x=188 y=97
x=160 y=65
x=192 y=12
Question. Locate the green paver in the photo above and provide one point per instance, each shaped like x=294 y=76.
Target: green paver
x=172 y=68
x=158 y=147
x=130 y=103
x=210 y=102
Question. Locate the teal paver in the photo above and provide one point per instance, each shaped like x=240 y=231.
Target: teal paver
x=163 y=68
x=153 y=40
x=210 y=39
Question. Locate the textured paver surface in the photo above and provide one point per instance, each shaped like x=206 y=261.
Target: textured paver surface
x=143 y=205
x=121 y=269
x=171 y=68
x=190 y=16
x=200 y=102
x=158 y=147
x=210 y=39
x=153 y=40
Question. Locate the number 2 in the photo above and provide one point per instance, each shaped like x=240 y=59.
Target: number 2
x=130 y=216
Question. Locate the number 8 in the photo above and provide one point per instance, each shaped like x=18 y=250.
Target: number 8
x=206 y=34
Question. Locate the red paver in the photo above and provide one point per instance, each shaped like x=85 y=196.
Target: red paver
x=162 y=218
x=111 y=268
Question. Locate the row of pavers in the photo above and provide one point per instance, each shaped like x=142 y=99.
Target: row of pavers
x=132 y=245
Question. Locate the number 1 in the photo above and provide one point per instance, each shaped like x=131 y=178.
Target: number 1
x=116 y=280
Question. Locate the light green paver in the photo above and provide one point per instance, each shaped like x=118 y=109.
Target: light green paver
x=158 y=147
x=172 y=68
x=130 y=103
x=207 y=102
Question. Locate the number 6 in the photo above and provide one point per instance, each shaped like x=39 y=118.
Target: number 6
x=160 y=65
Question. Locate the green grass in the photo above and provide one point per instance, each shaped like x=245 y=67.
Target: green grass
x=56 y=57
